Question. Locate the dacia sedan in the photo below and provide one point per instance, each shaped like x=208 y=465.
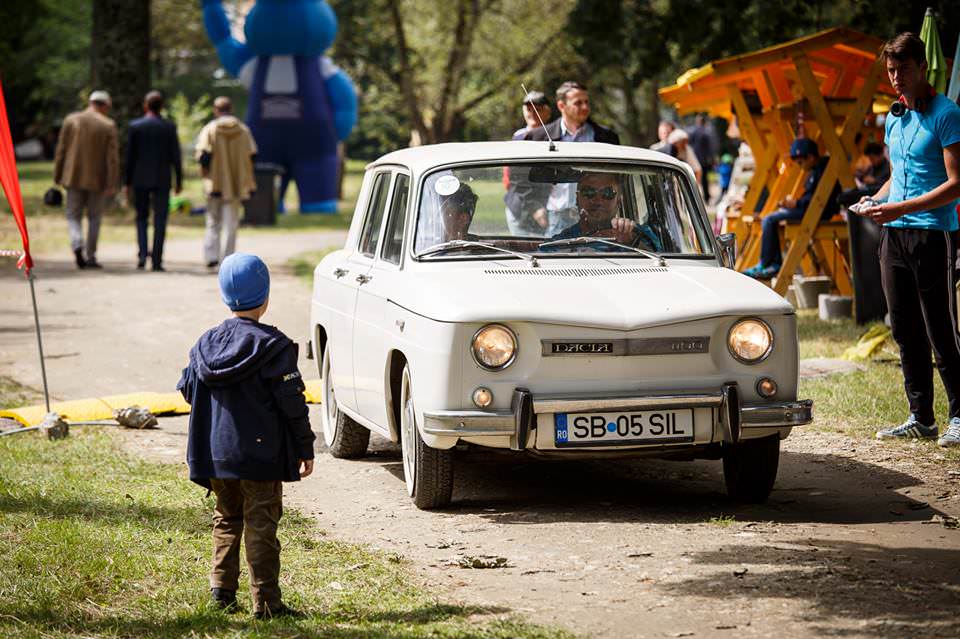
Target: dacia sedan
x=563 y=300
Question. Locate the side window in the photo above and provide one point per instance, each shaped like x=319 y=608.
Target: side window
x=370 y=235
x=398 y=212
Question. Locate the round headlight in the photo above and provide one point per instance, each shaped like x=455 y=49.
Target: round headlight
x=750 y=341
x=494 y=346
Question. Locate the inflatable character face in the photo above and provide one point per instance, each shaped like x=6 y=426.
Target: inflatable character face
x=290 y=27
x=301 y=106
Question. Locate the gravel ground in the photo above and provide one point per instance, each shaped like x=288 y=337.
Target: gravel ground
x=855 y=540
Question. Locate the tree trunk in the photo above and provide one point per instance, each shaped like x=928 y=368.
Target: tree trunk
x=121 y=56
x=420 y=134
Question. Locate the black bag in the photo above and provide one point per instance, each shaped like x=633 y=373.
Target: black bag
x=53 y=197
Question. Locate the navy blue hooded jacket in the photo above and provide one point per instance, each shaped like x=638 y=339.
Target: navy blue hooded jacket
x=249 y=419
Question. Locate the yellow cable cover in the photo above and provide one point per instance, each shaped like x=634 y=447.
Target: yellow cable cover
x=82 y=410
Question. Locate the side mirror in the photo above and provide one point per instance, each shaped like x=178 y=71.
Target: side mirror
x=728 y=249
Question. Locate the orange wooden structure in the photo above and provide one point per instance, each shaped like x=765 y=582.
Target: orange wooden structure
x=838 y=80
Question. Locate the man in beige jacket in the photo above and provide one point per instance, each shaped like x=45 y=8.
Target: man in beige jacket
x=225 y=150
x=87 y=164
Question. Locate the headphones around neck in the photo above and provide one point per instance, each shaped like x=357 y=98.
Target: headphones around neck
x=900 y=107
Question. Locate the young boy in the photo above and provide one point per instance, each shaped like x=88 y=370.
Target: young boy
x=249 y=431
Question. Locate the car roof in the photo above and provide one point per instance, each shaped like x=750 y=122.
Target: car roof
x=422 y=158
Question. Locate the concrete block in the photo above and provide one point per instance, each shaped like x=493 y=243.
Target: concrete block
x=835 y=306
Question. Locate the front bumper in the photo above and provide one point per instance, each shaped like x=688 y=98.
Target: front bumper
x=520 y=419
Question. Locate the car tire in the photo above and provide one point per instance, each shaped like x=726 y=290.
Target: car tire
x=750 y=469
x=427 y=472
x=345 y=438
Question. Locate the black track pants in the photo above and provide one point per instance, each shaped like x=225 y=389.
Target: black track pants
x=919 y=282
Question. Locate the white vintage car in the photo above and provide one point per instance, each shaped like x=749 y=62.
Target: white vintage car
x=563 y=301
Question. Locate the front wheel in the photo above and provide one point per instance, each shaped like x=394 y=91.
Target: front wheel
x=346 y=439
x=750 y=468
x=428 y=472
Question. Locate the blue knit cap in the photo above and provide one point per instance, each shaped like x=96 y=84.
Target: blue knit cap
x=244 y=281
x=803 y=146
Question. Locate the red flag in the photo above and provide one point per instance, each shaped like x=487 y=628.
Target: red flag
x=11 y=183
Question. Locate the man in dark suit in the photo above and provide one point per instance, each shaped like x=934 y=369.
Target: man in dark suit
x=573 y=125
x=153 y=151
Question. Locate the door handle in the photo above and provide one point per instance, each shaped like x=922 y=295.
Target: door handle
x=363 y=279
x=339 y=272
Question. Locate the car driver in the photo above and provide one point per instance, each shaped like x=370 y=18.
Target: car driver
x=598 y=199
x=456 y=213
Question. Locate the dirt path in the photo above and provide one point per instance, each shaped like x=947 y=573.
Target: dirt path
x=849 y=543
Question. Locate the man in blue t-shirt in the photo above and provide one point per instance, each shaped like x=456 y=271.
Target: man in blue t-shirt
x=918 y=240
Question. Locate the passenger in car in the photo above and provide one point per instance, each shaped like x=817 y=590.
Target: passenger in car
x=598 y=199
x=456 y=213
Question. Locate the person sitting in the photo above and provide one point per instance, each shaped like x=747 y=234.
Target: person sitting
x=804 y=152
x=598 y=200
x=870 y=176
x=456 y=213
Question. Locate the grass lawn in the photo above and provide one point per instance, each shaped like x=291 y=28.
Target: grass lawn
x=859 y=403
x=48 y=228
x=98 y=544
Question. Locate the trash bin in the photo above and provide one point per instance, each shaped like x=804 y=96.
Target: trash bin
x=869 y=304
x=261 y=208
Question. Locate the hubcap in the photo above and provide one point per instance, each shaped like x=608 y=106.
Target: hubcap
x=408 y=431
x=330 y=410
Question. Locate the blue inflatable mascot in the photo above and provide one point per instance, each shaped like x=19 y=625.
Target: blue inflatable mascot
x=301 y=104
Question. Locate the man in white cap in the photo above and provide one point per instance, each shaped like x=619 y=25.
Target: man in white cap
x=87 y=164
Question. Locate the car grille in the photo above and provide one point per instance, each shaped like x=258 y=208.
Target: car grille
x=576 y=272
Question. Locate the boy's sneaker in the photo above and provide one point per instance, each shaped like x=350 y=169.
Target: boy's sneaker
x=952 y=436
x=280 y=610
x=910 y=429
x=225 y=599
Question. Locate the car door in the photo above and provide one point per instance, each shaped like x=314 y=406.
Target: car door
x=371 y=330
x=347 y=276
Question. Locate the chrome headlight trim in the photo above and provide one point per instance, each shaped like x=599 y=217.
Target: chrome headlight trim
x=762 y=324
x=513 y=354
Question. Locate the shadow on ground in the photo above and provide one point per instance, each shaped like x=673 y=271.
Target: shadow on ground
x=205 y=621
x=848 y=588
x=811 y=488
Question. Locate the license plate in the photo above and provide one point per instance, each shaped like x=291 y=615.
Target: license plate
x=616 y=429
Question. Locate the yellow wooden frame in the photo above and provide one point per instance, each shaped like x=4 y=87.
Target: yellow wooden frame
x=838 y=74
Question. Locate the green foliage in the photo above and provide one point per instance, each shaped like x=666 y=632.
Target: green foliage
x=189 y=116
x=44 y=62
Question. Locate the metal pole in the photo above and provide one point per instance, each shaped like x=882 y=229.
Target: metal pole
x=36 y=320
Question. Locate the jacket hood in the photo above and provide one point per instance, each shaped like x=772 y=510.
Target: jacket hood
x=235 y=349
x=229 y=125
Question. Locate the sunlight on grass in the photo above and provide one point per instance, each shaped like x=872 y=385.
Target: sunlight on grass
x=98 y=544
x=47 y=226
x=303 y=264
x=859 y=403
x=724 y=521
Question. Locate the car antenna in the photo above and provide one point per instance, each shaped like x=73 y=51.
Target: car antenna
x=552 y=146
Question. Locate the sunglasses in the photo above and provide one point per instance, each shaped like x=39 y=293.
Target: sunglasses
x=590 y=192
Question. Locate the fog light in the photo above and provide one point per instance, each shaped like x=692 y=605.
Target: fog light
x=766 y=387
x=483 y=397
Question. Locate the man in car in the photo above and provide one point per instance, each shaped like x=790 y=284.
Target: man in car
x=456 y=213
x=573 y=125
x=598 y=200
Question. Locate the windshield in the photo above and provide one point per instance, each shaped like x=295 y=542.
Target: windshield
x=555 y=208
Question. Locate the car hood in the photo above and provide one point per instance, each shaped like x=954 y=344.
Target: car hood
x=621 y=295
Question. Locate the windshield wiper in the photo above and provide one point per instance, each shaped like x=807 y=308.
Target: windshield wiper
x=455 y=244
x=573 y=241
